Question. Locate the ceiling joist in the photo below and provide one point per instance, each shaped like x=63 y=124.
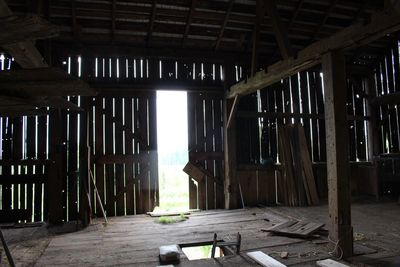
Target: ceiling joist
x=152 y=19
x=42 y=82
x=30 y=27
x=189 y=21
x=280 y=32
x=381 y=24
x=226 y=18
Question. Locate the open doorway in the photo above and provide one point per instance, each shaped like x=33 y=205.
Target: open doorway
x=172 y=139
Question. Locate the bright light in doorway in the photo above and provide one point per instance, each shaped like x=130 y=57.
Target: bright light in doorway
x=172 y=141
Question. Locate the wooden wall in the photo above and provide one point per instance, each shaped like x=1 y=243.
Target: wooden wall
x=122 y=133
x=297 y=99
x=205 y=133
x=24 y=167
x=387 y=115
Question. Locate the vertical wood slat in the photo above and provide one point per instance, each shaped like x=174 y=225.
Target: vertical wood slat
x=119 y=168
x=99 y=146
x=72 y=171
x=137 y=143
x=191 y=102
x=130 y=179
x=209 y=148
x=314 y=122
x=30 y=154
x=143 y=146
x=109 y=168
x=218 y=128
x=6 y=170
x=16 y=155
x=202 y=191
x=152 y=132
x=321 y=122
x=41 y=144
x=57 y=175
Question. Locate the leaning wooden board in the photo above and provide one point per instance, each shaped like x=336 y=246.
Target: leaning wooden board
x=295 y=228
x=264 y=260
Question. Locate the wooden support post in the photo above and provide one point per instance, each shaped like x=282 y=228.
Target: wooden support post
x=55 y=175
x=339 y=198
x=230 y=184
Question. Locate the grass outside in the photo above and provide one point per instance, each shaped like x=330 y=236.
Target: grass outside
x=174 y=188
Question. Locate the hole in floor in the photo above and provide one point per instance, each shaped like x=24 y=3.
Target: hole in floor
x=203 y=251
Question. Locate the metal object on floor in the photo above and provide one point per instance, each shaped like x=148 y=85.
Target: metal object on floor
x=222 y=244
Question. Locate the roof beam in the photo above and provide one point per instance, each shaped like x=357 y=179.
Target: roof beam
x=151 y=24
x=326 y=16
x=295 y=13
x=359 y=34
x=113 y=16
x=76 y=30
x=260 y=11
x=189 y=21
x=226 y=18
x=24 y=53
x=30 y=27
x=280 y=32
x=42 y=82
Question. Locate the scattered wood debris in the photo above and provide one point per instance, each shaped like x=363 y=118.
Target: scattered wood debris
x=284 y=254
x=293 y=228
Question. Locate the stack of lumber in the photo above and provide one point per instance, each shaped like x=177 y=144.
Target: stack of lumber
x=297 y=184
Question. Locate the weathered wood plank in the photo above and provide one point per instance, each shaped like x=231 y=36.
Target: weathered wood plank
x=357 y=35
x=340 y=229
x=28 y=27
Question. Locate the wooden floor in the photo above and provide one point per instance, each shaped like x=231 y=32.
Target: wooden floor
x=135 y=240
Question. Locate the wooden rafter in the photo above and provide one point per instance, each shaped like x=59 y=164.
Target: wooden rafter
x=24 y=53
x=226 y=18
x=30 y=27
x=260 y=11
x=41 y=82
x=279 y=30
x=75 y=26
x=295 y=14
x=189 y=21
x=360 y=34
x=113 y=18
x=325 y=18
x=151 y=21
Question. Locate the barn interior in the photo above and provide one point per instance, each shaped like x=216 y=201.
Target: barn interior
x=200 y=132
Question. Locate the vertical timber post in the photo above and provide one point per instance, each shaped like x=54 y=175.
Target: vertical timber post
x=337 y=136
x=230 y=183
x=54 y=180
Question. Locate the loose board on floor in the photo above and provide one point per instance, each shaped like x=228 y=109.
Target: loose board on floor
x=264 y=260
x=295 y=228
x=331 y=263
